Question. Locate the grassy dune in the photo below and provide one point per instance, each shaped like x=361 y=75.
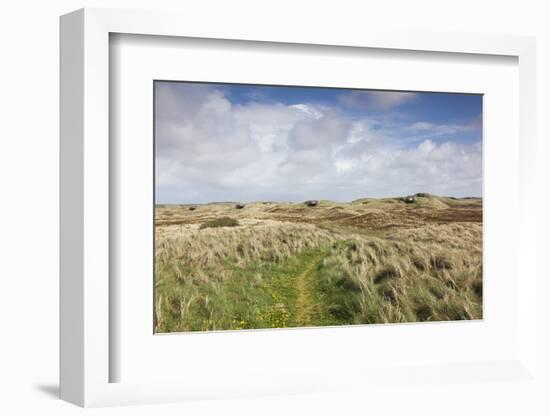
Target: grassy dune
x=273 y=265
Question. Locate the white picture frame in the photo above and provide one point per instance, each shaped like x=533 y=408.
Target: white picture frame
x=86 y=356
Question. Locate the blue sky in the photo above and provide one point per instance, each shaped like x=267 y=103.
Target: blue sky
x=219 y=142
x=434 y=107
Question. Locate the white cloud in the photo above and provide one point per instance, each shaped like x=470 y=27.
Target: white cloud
x=308 y=111
x=432 y=129
x=209 y=149
x=422 y=125
x=376 y=100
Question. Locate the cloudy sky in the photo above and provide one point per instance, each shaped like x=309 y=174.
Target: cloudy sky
x=222 y=142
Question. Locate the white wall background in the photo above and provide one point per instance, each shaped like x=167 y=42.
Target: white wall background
x=29 y=206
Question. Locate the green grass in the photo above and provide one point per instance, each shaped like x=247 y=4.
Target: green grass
x=220 y=222
x=264 y=293
x=258 y=295
x=277 y=274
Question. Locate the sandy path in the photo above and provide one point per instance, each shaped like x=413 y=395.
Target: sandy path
x=305 y=308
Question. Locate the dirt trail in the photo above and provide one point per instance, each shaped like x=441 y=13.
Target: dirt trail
x=305 y=308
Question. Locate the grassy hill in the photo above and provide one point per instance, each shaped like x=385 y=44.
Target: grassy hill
x=273 y=264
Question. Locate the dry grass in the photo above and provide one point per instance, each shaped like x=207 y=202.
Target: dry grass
x=211 y=247
x=369 y=261
x=408 y=279
x=222 y=278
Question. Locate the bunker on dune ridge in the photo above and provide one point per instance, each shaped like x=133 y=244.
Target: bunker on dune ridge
x=410 y=199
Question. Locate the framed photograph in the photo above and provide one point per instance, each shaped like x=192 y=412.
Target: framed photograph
x=324 y=226
x=274 y=212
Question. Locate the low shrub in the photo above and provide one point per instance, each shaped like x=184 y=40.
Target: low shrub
x=220 y=222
